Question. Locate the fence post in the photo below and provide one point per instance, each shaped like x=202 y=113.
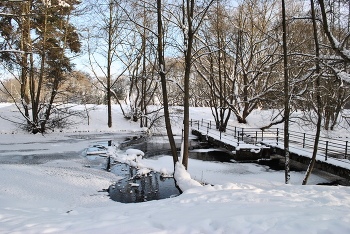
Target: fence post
x=304 y=140
x=346 y=149
x=198 y=125
x=326 y=150
x=256 y=137
x=108 y=166
x=262 y=135
x=277 y=137
x=220 y=135
x=210 y=123
x=235 y=132
x=207 y=129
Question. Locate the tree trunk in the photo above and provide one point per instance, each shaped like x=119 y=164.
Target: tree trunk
x=163 y=81
x=189 y=36
x=36 y=94
x=286 y=95
x=318 y=96
x=25 y=38
x=109 y=64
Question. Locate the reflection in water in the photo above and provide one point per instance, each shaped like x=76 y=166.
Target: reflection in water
x=134 y=188
x=211 y=155
x=159 y=145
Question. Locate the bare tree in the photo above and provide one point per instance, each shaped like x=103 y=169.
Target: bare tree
x=215 y=66
x=108 y=33
x=254 y=78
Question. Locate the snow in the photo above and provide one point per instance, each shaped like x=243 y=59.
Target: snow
x=134 y=152
x=134 y=184
x=63 y=3
x=47 y=2
x=45 y=187
x=344 y=76
x=183 y=178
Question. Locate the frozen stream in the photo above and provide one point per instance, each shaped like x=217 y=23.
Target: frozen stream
x=150 y=186
x=131 y=189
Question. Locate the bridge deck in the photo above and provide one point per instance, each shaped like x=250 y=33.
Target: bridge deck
x=248 y=147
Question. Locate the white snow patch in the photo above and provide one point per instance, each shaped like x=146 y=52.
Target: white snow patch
x=183 y=178
x=136 y=152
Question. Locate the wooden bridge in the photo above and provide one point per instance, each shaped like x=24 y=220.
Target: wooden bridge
x=255 y=144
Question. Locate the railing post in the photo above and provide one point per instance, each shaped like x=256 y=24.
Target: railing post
x=277 y=136
x=242 y=133
x=262 y=135
x=220 y=135
x=210 y=123
x=304 y=140
x=346 y=149
x=235 y=132
x=326 y=150
x=198 y=125
x=207 y=129
x=108 y=166
x=256 y=137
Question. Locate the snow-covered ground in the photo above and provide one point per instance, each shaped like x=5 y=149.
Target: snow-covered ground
x=45 y=187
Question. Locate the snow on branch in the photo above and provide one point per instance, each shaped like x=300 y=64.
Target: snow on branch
x=182 y=89
x=335 y=44
x=13 y=51
x=63 y=3
x=344 y=76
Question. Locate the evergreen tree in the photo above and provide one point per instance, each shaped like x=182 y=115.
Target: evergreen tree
x=37 y=40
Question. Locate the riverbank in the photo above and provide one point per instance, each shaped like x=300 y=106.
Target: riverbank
x=40 y=193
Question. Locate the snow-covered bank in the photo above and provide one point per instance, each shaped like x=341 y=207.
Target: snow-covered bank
x=68 y=202
x=61 y=195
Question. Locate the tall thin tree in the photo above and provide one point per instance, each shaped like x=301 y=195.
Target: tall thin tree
x=190 y=29
x=161 y=62
x=286 y=94
x=318 y=108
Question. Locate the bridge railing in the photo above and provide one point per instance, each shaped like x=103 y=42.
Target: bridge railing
x=299 y=141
